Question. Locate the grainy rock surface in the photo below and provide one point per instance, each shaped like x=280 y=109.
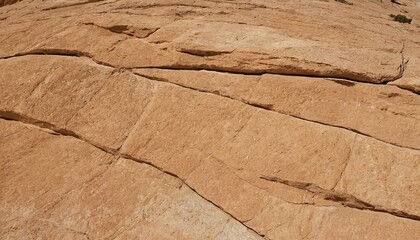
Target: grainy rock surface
x=209 y=119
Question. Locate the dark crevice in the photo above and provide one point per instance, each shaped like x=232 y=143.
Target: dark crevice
x=52 y=51
x=60 y=52
x=151 y=32
x=349 y=77
x=344 y=82
x=344 y=199
x=53 y=129
x=126 y=30
x=156 y=5
x=203 y=67
x=203 y=53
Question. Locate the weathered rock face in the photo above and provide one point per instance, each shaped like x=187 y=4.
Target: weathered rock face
x=209 y=120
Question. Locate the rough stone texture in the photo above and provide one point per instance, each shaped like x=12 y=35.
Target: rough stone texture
x=77 y=190
x=212 y=119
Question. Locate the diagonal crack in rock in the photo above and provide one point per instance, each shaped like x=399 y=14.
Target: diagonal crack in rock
x=344 y=199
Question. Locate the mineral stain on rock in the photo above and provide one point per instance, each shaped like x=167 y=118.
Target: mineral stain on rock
x=209 y=119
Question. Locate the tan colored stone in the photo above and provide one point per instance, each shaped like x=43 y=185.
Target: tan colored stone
x=235 y=86
x=99 y=96
x=70 y=189
x=331 y=101
x=190 y=126
x=28 y=155
x=387 y=169
x=246 y=143
x=293 y=55
x=187 y=126
x=181 y=119
x=328 y=101
x=297 y=221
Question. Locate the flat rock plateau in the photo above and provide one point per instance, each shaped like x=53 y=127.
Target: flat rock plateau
x=209 y=119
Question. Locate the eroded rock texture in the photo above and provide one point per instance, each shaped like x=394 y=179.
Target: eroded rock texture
x=209 y=119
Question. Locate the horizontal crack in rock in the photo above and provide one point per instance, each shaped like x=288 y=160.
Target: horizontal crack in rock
x=203 y=53
x=156 y=5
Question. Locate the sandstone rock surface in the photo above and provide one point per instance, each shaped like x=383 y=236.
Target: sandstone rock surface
x=209 y=119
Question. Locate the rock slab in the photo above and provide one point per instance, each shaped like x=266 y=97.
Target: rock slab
x=209 y=120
